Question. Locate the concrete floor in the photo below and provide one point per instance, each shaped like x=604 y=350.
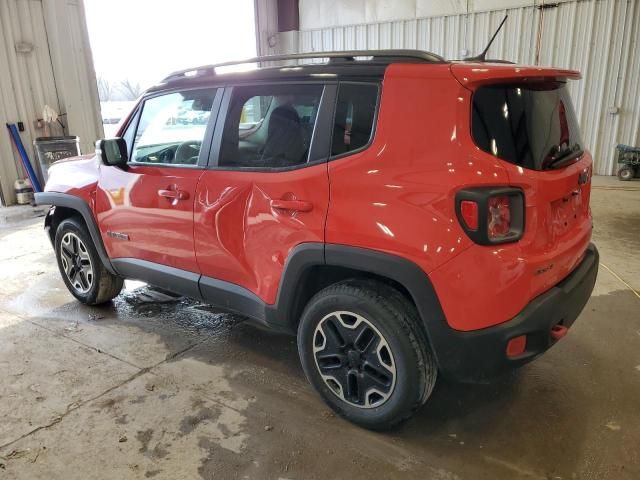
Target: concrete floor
x=154 y=387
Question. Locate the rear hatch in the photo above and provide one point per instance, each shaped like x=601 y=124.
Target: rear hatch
x=524 y=117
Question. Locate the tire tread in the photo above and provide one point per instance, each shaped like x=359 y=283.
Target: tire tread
x=403 y=314
x=108 y=285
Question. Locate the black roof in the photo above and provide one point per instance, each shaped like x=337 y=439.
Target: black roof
x=346 y=64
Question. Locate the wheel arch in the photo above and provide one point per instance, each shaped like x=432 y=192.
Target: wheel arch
x=67 y=206
x=312 y=267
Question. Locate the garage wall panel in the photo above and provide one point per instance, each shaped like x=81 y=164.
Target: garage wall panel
x=627 y=90
x=601 y=38
x=45 y=59
x=332 y=13
x=73 y=69
x=26 y=82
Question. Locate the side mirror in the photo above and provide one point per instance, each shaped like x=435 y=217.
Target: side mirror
x=112 y=152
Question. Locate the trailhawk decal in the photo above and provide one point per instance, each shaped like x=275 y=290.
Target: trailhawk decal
x=117 y=235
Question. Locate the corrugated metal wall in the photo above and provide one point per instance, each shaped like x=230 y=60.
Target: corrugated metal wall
x=266 y=18
x=26 y=81
x=73 y=69
x=601 y=38
x=45 y=59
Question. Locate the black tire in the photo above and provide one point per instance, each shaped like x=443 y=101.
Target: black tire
x=397 y=322
x=103 y=285
x=626 y=173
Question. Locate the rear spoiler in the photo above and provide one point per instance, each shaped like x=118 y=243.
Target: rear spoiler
x=474 y=74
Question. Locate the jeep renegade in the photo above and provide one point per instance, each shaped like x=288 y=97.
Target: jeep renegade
x=405 y=216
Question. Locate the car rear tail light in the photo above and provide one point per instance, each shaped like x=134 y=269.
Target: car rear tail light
x=491 y=215
x=499 y=217
x=469 y=213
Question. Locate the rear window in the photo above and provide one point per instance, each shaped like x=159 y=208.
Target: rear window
x=533 y=126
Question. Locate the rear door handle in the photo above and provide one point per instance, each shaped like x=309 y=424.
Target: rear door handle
x=174 y=194
x=296 y=205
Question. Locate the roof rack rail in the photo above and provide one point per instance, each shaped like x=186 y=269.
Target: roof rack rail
x=387 y=56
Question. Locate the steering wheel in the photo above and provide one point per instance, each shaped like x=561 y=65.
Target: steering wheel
x=187 y=153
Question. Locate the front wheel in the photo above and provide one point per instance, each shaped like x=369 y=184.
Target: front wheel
x=364 y=351
x=80 y=266
x=626 y=173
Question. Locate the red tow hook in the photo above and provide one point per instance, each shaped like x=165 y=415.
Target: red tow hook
x=558 y=331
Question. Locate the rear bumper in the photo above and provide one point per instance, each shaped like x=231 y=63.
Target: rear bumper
x=481 y=354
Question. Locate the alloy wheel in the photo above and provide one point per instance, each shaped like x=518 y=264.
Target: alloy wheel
x=354 y=359
x=76 y=262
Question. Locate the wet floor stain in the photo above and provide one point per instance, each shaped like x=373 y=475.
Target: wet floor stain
x=144 y=437
x=189 y=424
x=158 y=451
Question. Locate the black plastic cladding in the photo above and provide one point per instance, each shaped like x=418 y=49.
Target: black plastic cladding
x=79 y=205
x=481 y=197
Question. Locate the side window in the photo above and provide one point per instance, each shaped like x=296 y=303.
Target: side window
x=269 y=126
x=355 y=113
x=171 y=128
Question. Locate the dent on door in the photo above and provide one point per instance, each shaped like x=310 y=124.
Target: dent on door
x=247 y=223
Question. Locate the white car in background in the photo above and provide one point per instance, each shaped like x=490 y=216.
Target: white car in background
x=112 y=114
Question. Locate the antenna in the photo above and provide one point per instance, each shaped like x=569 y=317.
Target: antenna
x=481 y=57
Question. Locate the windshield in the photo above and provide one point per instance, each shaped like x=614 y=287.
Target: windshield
x=533 y=126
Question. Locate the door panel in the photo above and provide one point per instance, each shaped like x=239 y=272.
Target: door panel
x=241 y=235
x=145 y=211
x=267 y=188
x=136 y=221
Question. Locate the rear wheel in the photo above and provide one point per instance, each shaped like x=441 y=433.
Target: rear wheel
x=626 y=173
x=363 y=350
x=80 y=266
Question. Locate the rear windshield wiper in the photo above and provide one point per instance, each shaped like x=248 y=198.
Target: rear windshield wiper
x=565 y=157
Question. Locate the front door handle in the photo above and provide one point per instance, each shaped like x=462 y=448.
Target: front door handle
x=295 y=205
x=174 y=194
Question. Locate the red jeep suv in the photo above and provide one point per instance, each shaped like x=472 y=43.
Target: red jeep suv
x=405 y=216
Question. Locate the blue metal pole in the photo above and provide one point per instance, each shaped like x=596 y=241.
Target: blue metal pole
x=15 y=136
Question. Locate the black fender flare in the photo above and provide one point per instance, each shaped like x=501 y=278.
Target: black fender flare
x=72 y=202
x=394 y=267
x=402 y=271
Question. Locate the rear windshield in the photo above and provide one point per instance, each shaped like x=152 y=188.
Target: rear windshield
x=533 y=126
